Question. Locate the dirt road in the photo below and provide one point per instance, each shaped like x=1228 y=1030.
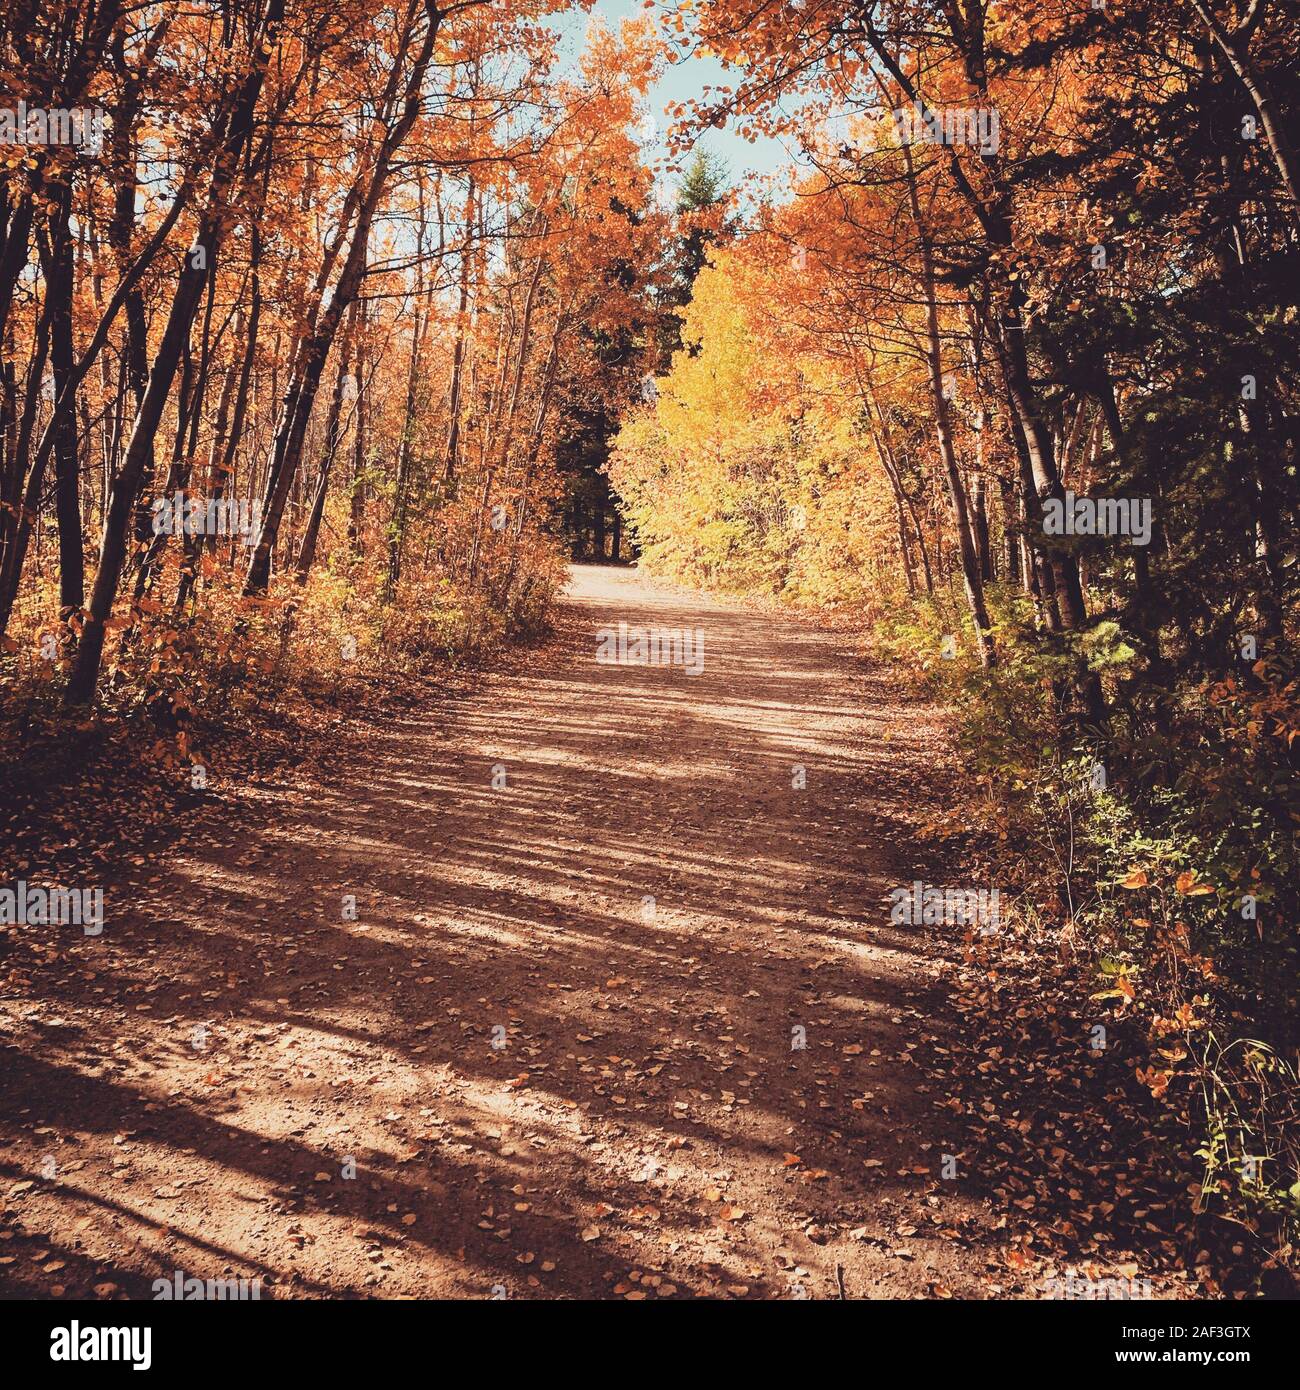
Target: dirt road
x=620 y=1015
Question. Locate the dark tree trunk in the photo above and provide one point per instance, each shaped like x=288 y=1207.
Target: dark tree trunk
x=185 y=303
x=56 y=255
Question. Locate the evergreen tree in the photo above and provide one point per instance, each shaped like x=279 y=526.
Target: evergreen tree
x=701 y=197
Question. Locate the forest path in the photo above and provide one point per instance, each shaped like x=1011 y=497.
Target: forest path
x=545 y=1082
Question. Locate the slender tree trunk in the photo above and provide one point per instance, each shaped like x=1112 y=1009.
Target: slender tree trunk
x=185 y=303
x=1261 y=98
x=535 y=437
x=397 y=528
x=507 y=427
x=451 y=456
x=56 y=248
x=980 y=528
x=974 y=584
x=304 y=384
x=333 y=436
x=357 y=494
x=15 y=549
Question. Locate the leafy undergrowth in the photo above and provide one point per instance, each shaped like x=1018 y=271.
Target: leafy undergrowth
x=1127 y=1071
x=194 y=710
x=1092 y=1171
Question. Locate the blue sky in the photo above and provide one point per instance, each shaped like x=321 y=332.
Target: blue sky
x=680 y=81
